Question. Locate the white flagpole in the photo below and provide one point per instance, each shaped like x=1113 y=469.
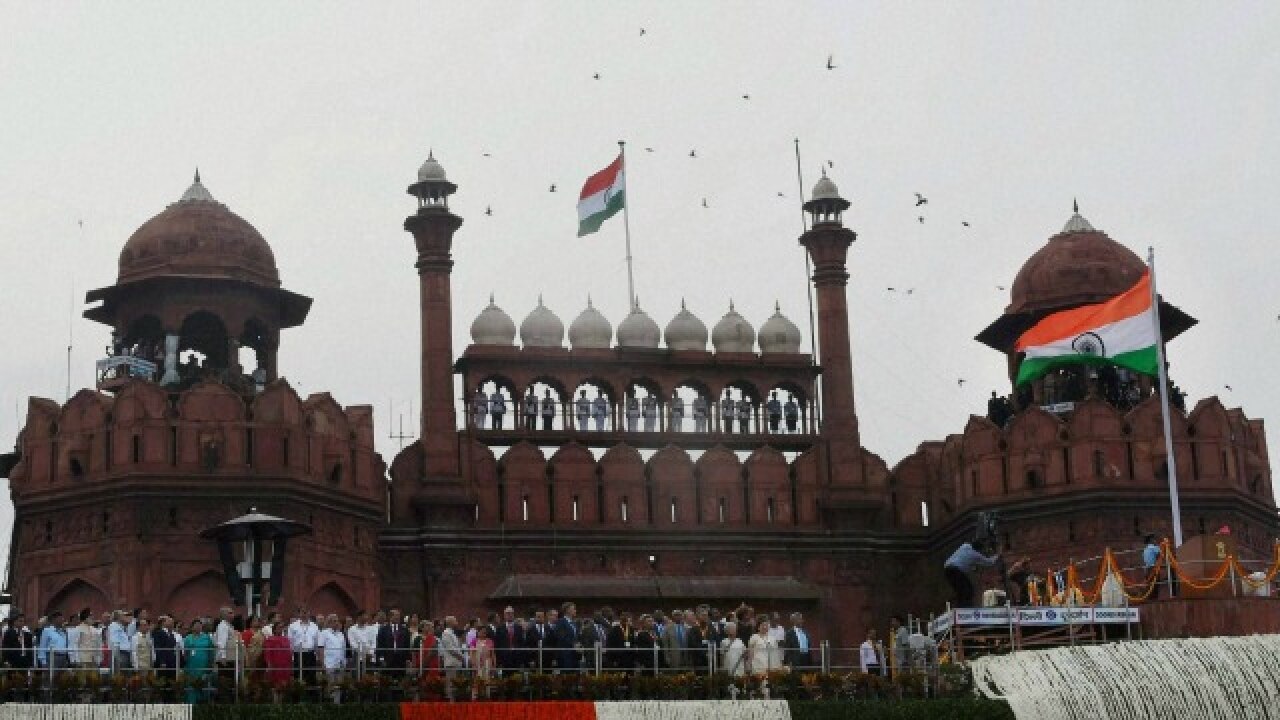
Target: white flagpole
x=1170 y=461
x=626 y=224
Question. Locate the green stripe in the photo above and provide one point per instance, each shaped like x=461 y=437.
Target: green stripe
x=591 y=223
x=1145 y=361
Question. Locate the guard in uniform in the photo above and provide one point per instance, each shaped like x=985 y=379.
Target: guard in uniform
x=548 y=409
x=649 y=409
x=773 y=409
x=633 y=413
x=791 y=411
x=497 y=408
x=582 y=408
x=726 y=412
x=700 y=414
x=677 y=413
x=479 y=408
x=530 y=411
x=599 y=410
x=744 y=414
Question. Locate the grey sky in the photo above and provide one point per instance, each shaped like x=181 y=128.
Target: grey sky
x=309 y=119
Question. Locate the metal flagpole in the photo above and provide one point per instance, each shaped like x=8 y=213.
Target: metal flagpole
x=808 y=284
x=1171 y=462
x=626 y=224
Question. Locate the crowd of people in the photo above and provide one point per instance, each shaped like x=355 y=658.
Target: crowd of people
x=641 y=413
x=318 y=648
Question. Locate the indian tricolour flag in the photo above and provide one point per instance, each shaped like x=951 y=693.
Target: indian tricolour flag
x=603 y=195
x=1120 y=331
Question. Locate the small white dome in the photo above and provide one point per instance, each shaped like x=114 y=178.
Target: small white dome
x=778 y=334
x=542 y=328
x=493 y=326
x=733 y=333
x=824 y=189
x=197 y=192
x=431 y=170
x=686 y=331
x=590 y=330
x=1077 y=223
x=638 y=330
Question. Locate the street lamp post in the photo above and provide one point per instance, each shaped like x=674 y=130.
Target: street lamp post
x=260 y=540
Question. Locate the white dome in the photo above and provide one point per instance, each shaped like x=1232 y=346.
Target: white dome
x=638 y=330
x=733 y=333
x=590 y=330
x=493 y=326
x=824 y=189
x=542 y=328
x=686 y=331
x=197 y=192
x=431 y=170
x=778 y=334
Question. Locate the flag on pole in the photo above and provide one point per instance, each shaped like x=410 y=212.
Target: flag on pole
x=1120 y=331
x=603 y=195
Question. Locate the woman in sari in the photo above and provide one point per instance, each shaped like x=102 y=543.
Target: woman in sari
x=253 y=639
x=482 y=660
x=199 y=649
x=426 y=657
x=278 y=655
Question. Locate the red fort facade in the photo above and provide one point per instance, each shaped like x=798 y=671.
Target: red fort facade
x=665 y=473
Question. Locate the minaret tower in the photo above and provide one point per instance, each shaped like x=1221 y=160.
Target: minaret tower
x=828 y=243
x=433 y=226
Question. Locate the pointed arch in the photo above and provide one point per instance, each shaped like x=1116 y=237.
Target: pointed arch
x=197 y=595
x=210 y=401
x=332 y=598
x=76 y=595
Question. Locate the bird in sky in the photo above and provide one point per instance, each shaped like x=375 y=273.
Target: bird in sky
x=891 y=290
x=693 y=153
x=964 y=223
x=746 y=96
x=553 y=187
x=704 y=203
x=831 y=164
x=960 y=382
x=1228 y=387
x=910 y=290
x=488 y=210
x=648 y=149
x=596 y=76
x=487 y=154
x=1000 y=288
x=781 y=195
x=921 y=219
x=642 y=32
x=921 y=200
x=830 y=62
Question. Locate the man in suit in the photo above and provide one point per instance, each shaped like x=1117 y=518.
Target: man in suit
x=674 y=637
x=646 y=639
x=696 y=642
x=508 y=640
x=17 y=644
x=621 y=644
x=797 y=650
x=567 y=637
x=393 y=644
x=535 y=636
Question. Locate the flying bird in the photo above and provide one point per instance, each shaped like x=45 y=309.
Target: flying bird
x=487 y=154
x=830 y=63
x=704 y=203
x=831 y=164
x=642 y=32
x=781 y=195
x=964 y=223
x=891 y=290
x=553 y=187
x=693 y=153
x=910 y=290
x=596 y=76
x=921 y=200
x=960 y=382
x=746 y=97
x=648 y=149
x=1000 y=288
x=488 y=210
x=921 y=219
x=1228 y=387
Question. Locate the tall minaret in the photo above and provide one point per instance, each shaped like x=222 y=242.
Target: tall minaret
x=828 y=243
x=433 y=227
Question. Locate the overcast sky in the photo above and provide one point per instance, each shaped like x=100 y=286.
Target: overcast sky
x=309 y=119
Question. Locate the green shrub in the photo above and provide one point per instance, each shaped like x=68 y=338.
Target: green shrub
x=936 y=709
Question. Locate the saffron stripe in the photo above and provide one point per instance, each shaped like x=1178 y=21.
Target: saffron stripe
x=601 y=180
x=1070 y=323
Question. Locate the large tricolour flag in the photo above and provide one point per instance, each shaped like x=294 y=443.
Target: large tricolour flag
x=603 y=195
x=1120 y=331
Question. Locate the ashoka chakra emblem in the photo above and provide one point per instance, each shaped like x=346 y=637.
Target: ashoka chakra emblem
x=1089 y=344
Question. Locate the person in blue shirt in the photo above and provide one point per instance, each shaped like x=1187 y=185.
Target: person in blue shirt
x=960 y=566
x=52 y=651
x=1151 y=555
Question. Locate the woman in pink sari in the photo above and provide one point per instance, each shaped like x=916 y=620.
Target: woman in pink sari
x=277 y=654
